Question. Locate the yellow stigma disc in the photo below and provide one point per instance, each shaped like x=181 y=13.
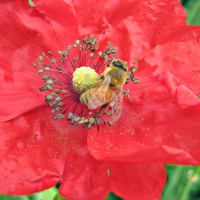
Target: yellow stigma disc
x=84 y=78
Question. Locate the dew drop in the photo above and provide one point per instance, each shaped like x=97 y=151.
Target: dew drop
x=37 y=135
x=39 y=169
x=20 y=145
x=20 y=181
x=12 y=188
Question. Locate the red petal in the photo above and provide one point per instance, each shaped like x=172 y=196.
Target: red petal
x=130 y=25
x=62 y=18
x=34 y=151
x=136 y=181
x=179 y=55
x=90 y=179
x=36 y=157
x=85 y=179
x=177 y=46
x=152 y=128
x=157 y=130
x=26 y=35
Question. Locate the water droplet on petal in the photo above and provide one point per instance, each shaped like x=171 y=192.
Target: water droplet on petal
x=39 y=169
x=20 y=145
x=20 y=181
x=12 y=188
x=37 y=135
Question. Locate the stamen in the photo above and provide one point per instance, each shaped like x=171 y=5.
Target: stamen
x=81 y=70
x=34 y=65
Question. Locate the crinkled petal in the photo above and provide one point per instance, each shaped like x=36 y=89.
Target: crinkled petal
x=180 y=93
x=41 y=155
x=154 y=127
x=160 y=125
x=62 y=18
x=34 y=151
x=85 y=179
x=91 y=179
x=131 y=31
x=25 y=33
x=136 y=181
x=180 y=56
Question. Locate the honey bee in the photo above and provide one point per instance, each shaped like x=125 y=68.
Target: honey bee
x=108 y=92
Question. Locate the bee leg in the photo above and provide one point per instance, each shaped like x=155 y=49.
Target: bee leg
x=126 y=93
x=101 y=76
x=136 y=80
x=103 y=108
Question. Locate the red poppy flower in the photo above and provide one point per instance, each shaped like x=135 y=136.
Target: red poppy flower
x=160 y=125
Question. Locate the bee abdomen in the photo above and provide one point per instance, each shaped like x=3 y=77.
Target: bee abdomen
x=96 y=97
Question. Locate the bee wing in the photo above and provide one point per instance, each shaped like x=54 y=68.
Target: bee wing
x=98 y=93
x=116 y=105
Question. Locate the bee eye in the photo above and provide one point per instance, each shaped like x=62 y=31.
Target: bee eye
x=118 y=64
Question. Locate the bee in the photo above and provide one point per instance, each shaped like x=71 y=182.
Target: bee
x=108 y=92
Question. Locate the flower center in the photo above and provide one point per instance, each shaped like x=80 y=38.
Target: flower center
x=84 y=78
x=84 y=86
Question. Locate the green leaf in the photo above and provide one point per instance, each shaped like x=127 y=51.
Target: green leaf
x=183 y=183
x=192 y=8
x=59 y=197
x=111 y=196
x=3 y=197
x=45 y=195
x=31 y=3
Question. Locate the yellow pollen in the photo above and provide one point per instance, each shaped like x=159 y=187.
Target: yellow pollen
x=84 y=78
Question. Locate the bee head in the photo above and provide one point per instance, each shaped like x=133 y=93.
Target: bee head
x=119 y=63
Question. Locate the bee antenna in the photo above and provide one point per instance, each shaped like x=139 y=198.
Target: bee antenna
x=113 y=58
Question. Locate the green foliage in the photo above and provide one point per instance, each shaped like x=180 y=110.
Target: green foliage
x=111 y=196
x=59 y=197
x=31 y=3
x=45 y=195
x=183 y=183
x=14 y=198
x=192 y=8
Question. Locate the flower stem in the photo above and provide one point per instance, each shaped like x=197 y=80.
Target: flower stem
x=189 y=185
